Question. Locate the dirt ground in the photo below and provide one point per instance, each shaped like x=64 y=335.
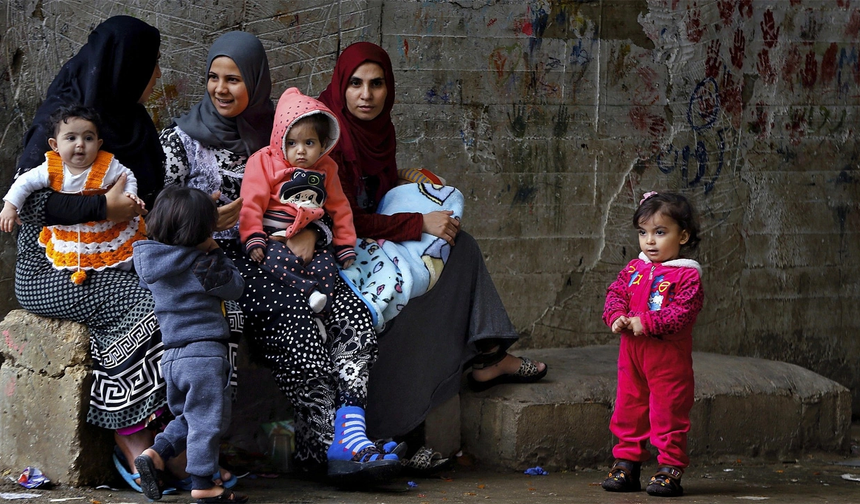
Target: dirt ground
x=818 y=478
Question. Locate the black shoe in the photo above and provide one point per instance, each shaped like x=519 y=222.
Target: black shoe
x=623 y=477
x=367 y=467
x=666 y=482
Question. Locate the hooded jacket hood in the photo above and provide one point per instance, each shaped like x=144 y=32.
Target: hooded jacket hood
x=292 y=106
x=158 y=260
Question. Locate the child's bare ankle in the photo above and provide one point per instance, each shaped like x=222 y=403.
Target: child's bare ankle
x=215 y=491
x=156 y=458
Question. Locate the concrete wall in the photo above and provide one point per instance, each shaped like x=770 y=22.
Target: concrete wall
x=554 y=117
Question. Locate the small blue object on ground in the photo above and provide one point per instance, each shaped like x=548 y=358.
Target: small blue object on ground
x=535 y=471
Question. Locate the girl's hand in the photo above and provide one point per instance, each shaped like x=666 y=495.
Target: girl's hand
x=228 y=215
x=9 y=217
x=119 y=207
x=348 y=263
x=302 y=244
x=636 y=326
x=442 y=225
x=257 y=254
x=620 y=324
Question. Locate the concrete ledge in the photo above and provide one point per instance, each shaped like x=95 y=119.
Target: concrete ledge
x=45 y=379
x=744 y=406
x=45 y=376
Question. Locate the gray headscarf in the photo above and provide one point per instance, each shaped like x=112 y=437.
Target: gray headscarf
x=250 y=130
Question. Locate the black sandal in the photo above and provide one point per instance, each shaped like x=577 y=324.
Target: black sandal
x=149 y=476
x=392 y=447
x=666 y=482
x=528 y=371
x=623 y=477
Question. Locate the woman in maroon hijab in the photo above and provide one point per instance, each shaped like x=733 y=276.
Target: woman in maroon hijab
x=461 y=321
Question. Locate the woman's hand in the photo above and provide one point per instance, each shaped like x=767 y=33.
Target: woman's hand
x=121 y=208
x=302 y=244
x=442 y=225
x=228 y=215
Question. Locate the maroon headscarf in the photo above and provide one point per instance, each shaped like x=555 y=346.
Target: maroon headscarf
x=369 y=146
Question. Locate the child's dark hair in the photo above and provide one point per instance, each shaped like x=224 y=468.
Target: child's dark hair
x=182 y=216
x=320 y=123
x=675 y=206
x=66 y=112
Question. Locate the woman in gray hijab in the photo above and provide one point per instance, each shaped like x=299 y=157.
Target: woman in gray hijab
x=321 y=365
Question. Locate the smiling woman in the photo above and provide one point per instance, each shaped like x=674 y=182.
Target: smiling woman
x=320 y=361
x=226 y=87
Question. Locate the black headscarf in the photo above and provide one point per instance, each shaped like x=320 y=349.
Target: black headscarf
x=249 y=131
x=109 y=73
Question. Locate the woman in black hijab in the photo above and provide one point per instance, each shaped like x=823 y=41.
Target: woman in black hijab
x=114 y=72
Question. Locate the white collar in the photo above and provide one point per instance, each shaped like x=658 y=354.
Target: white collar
x=676 y=263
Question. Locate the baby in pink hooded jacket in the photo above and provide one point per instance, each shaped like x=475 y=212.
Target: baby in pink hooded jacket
x=289 y=184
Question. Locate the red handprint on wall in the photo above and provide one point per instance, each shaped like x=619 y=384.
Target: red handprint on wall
x=727 y=11
x=694 y=25
x=769 y=30
x=737 y=51
x=765 y=69
x=712 y=60
x=809 y=74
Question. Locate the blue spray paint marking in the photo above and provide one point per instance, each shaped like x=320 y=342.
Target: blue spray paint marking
x=579 y=56
x=667 y=162
x=704 y=107
x=848 y=61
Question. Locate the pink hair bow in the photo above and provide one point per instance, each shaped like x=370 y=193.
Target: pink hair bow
x=647 y=195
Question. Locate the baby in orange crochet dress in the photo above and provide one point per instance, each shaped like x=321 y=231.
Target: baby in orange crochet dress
x=75 y=165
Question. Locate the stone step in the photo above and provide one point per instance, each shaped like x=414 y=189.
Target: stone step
x=744 y=407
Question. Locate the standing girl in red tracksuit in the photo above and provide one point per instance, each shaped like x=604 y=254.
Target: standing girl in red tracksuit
x=653 y=304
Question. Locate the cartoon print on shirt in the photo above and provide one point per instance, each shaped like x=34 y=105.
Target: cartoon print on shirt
x=304 y=189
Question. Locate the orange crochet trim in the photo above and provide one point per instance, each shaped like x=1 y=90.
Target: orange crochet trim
x=99 y=259
x=86 y=234
x=55 y=170
x=90 y=261
x=95 y=177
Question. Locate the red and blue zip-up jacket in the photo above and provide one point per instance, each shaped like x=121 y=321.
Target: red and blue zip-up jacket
x=666 y=297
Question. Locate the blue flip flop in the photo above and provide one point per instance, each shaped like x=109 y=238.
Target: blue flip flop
x=119 y=463
x=230 y=483
x=126 y=475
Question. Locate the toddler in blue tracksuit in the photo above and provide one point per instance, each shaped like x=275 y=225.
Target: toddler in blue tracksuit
x=190 y=277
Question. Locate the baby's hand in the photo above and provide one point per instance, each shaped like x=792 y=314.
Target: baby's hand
x=348 y=263
x=257 y=254
x=136 y=200
x=620 y=324
x=636 y=326
x=9 y=217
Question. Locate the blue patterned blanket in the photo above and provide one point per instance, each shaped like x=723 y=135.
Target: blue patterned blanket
x=388 y=274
